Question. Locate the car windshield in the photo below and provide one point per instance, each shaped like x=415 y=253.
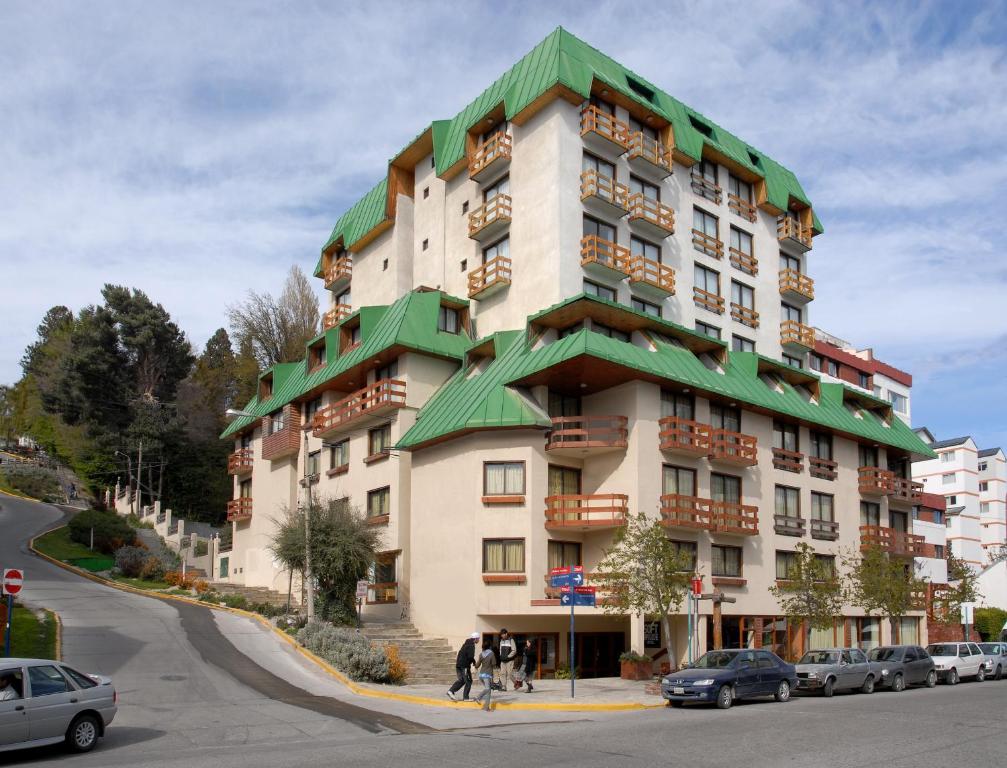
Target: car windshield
x=990 y=648
x=819 y=657
x=942 y=649
x=884 y=654
x=715 y=660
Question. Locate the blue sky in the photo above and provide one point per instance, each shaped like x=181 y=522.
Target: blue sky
x=196 y=150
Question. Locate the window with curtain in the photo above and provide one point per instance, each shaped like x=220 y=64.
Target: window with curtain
x=725 y=561
x=501 y=187
x=868 y=632
x=821 y=506
x=870 y=513
x=379 y=439
x=679 y=480
x=245 y=489
x=741 y=241
x=785 y=563
x=564 y=405
x=687 y=549
x=277 y=422
x=738 y=188
x=909 y=630
x=648 y=190
x=706 y=279
x=379 y=502
x=788 y=312
x=564 y=554
x=601 y=291
x=788 y=501
x=563 y=481
x=503 y=478
x=868 y=456
x=601 y=167
x=726 y=488
x=724 y=417
x=599 y=229
x=641 y=247
x=503 y=555
x=742 y=295
x=677 y=404
x=499 y=248
x=339 y=454
x=741 y=344
x=704 y=222
x=447 y=320
x=821 y=445
x=827 y=565
x=785 y=436
x=314 y=463
x=822 y=638
x=789 y=262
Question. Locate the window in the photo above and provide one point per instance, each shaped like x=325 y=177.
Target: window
x=639 y=247
x=339 y=454
x=384 y=569
x=984 y=506
x=345 y=298
x=47 y=680
x=677 y=404
x=982 y=466
x=564 y=554
x=637 y=127
x=599 y=166
x=948 y=478
x=679 y=480
x=464 y=265
x=743 y=296
x=827 y=565
x=741 y=344
x=599 y=229
x=821 y=445
x=984 y=486
x=792 y=361
x=447 y=320
x=864 y=380
x=501 y=187
x=738 y=188
x=355 y=335
x=245 y=489
x=788 y=312
x=433 y=161
x=900 y=403
x=706 y=168
x=465 y=207
x=939 y=551
x=868 y=632
x=707 y=280
x=947 y=457
x=563 y=481
x=277 y=422
x=870 y=513
x=601 y=291
x=785 y=436
x=726 y=488
x=822 y=507
x=788 y=501
x=379 y=502
x=638 y=186
x=725 y=561
x=789 y=262
x=499 y=248
x=83 y=681
x=311 y=408
x=831 y=367
x=612 y=333
x=725 y=417
x=868 y=455
x=563 y=405
x=314 y=467
x=570 y=330
x=688 y=550
x=503 y=555
x=317 y=356
x=705 y=224
x=951 y=500
x=379 y=439
x=503 y=478
x=601 y=105
x=426 y=192
x=640 y=88
x=425 y=244
x=786 y=562
x=646 y=307
x=708 y=330
x=741 y=242
x=815 y=362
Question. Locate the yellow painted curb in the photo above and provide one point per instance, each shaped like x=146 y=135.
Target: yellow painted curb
x=350 y=685
x=59 y=636
x=17 y=495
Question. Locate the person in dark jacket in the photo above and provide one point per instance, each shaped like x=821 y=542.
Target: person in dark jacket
x=529 y=664
x=463 y=668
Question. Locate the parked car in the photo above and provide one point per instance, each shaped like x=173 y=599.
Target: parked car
x=836 y=669
x=46 y=702
x=726 y=675
x=903 y=665
x=954 y=661
x=995 y=655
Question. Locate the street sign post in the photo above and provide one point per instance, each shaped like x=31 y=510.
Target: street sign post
x=968 y=617
x=13 y=580
x=574 y=596
x=362 y=586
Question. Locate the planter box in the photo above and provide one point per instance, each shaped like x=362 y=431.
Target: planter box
x=636 y=670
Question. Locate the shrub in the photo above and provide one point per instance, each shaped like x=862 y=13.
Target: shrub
x=176 y=579
x=36 y=482
x=235 y=601
x=152 y=569
x=347 y=650
x=129 y=560
x=200 y=585
x=110 y=531
x=634 y=656
x=989 y=622
x=398 y=670
x=201 y=548
x=208 y=596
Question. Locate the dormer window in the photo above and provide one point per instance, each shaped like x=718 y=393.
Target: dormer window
x=316 y=355
x=266 y=387
x=612 y=333
x=447 y=320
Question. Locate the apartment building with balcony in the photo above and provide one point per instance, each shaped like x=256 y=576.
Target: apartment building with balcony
x=576 y=300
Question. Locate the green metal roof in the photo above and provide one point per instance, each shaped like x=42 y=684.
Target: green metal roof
x=410 y=322
x=364 y=216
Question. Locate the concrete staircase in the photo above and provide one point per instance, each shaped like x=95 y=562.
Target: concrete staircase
x=255 y=594
x=431 y=660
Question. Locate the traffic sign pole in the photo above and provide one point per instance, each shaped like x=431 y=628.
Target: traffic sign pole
x=573 y=666
x=10 y=614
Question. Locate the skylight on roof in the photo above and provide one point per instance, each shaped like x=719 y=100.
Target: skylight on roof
x=755 y=159
x=640 y=88
x=699 y=125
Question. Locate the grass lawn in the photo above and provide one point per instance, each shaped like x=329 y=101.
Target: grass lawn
x=57 y=544
x=141 y=583
x=32 y=637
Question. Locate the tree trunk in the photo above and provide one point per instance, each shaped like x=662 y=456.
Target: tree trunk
x=672 y=656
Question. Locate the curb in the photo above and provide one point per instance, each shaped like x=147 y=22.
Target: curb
x=17 y=495
x=59 y=636
x=349 y=684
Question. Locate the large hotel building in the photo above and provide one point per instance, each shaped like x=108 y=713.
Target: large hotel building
x=576 y=300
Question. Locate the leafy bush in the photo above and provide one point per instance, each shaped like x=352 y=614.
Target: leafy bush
x=563 y=672
x=200 y=585
x=989 y=622
x=235 y=601
x=634 y=656
x=152 y=569
x=267 y=609
x=110 y=531
x=129 y=560
x=201 y=548
x=398 y=670
x=347 y=650
x=176 y=579
x=208 y=596
x=36 y=482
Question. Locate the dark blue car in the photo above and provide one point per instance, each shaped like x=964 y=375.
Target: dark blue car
x=723 y=676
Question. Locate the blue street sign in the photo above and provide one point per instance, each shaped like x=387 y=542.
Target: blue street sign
x=566 y=577
x=584 y=599
x=584 y=596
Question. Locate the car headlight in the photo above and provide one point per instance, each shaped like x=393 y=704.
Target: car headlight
x=812 y=675
x=884 y=673
x=939 y=664
x=704 y=681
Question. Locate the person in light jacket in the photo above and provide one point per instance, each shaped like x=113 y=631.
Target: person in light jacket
x=463 y=668
x=508 y=653
x=485 y=664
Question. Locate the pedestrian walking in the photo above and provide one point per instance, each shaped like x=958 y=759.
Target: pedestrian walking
x=529 y=664
x=485 y=664
x=508 y=653
x=463 y=668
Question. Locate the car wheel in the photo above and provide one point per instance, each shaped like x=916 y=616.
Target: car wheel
x=952 y=676
x=829 y=688
x=898 y=683
x=725 y=697
x=931 y=679
x=868 y=686
x=981 y=674
x=676 y=704
x=82 y=734
x=783 y=692
x=999 y=673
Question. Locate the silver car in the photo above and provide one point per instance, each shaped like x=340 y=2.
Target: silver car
x=836 y=669
x=995 y=656
x=45 y=702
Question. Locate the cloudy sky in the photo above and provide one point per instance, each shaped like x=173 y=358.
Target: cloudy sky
x=196 y=150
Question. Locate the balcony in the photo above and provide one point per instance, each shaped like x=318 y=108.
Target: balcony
x=282 y=443
x=796 y=286
x=692 y=512
x=708 y=244
x=703 y=187
x=583 y=435
x=744 y=315
x=736 y=519
x=746 y=262
x=824 y=469
x=338 y=275
x=796 y=336
x=651 y=277
x=604 y=195
x=586 y=512
x=240 y=462
x=491 y=277
x=894 y=542
x=604 y=258
x=239 y=509
x=336 y=315
x=733 y=448
x=684 y=436
x=707 y=300
x=874 y=481
x=490 y=157
x=651 y=217
x=785 y=525
x=790 y=230
x=824 y=530
x=649 y=156
x=362 y=407
x=490 y=219
x=906 y=491
x=602 y=132
x=788 y=461
x=741 y=207
x=383 y=593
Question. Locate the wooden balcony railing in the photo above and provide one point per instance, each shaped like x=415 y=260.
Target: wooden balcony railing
x=586 y=512
x=653 y=151
x=583 y=434
x=595 y=121
x=703 y=187
x=374 y=400
x=824 y=530
x=658 y=217
x=741 y=207
x=740 y=519
x=733 y=447
x=495 y=211
x=678 y=511
x=745 y=315
x=684 y=436
x=604 y=188
x=339 y=272
x=240 y=462
x=795 y=334
x=595 y=251
x=495 y=150
x=822 y=468
x=707 y=300
x=788 y=461
x=647 y=273
x=906 y=490
x=894 y=542
x=708 y=244
x=382 y=593
x=490 y=277
x=785 y=525
x=284 y=442
x=336 y=315
x=746 y=262
x=239 y=509
x=796 y=284
x=874 y=481
x=789 y=228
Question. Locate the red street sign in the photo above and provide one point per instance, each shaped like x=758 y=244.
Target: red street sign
x=697 y=586
x=558 y=571
x=585 y=590
x=12 y=580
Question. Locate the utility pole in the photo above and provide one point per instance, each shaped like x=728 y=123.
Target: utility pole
x=129 y=482
x=310 y=607
x=139 y=478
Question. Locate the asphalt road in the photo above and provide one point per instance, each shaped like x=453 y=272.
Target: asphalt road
x=190 y=694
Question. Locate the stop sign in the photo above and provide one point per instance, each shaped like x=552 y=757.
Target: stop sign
x=12 y=580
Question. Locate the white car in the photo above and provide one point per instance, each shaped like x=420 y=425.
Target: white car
x=953 y=661
x=996 y=659
x=46 y=702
